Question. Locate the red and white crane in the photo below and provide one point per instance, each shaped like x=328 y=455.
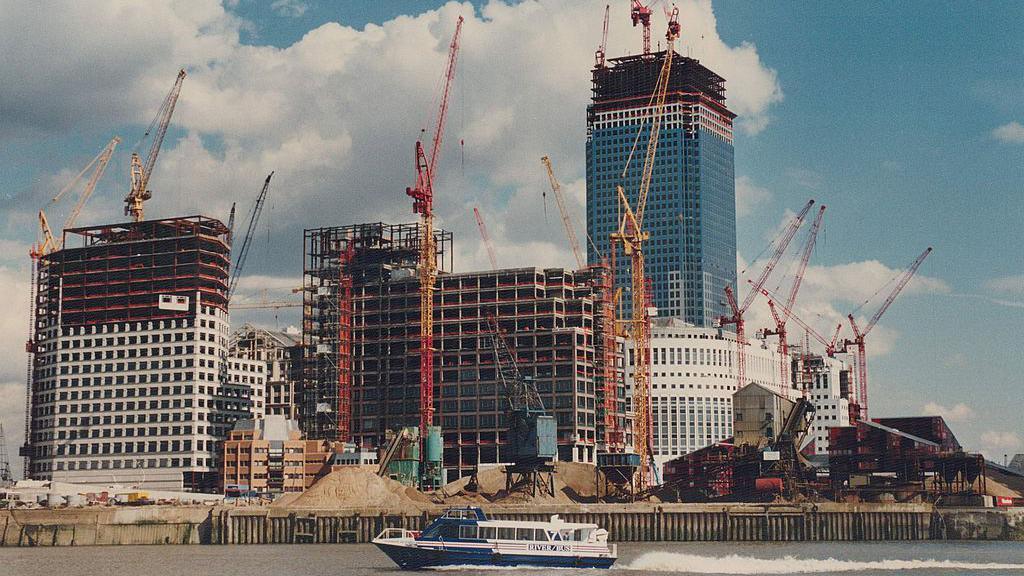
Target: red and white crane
x=486 y=238
x=641 y=15
x=830 y=344
x=798 y=278
x=859 y=335
x=423 y=204
x=599 y=54
x=738 y=310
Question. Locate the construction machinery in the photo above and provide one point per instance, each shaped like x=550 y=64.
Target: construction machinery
x=631 y=235
x=781 y=319
x=738 y=310
x=423 y=204
x=830 y=344
x=486 y=238
x=860 y=334
x=531 y=443
x=641 y=15
x=600 y=52
x=141 y=172
x=243 y=252
x=556 y=188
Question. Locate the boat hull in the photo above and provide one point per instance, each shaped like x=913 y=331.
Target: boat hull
x=411 y=557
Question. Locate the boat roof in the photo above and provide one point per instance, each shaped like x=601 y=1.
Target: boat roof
x=554 y=524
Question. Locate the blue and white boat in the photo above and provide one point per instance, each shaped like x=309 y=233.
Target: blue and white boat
x=466 y=537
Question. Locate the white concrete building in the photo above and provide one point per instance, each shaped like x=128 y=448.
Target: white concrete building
x=828 y=382
x=693 y=378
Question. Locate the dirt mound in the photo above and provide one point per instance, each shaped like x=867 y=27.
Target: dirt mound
x=355 y=487
x=574 y=483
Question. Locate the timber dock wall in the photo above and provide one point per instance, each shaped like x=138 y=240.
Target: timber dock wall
x=667 y=523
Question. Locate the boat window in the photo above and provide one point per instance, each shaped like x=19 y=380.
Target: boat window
x=467 y=532
x=524 y=533
x=506 y=533
x=488 y=532
x=540 y=534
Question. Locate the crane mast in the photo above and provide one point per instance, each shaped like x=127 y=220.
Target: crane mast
x=486 y=238
x=859 y=335
x=574 y=243
x=738 y=310
x=141 y=172
x=599 y=54
x=423 y=204
x=641 y=15
x=829 y=343
x=243 y=252
x=632 y=236
x=780 y=319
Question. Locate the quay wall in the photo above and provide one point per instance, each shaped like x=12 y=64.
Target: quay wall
x=625 y=523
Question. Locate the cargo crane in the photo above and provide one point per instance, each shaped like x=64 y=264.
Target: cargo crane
x=556 y=188
x=243 y=252
x=798 y=277
x=423 y=204
x=859 y=335
x=531 y=443
x=47 y=244
x=140 y=173
x=599 y=54
x=738 y=310
x=486 y=238
x=632 y=236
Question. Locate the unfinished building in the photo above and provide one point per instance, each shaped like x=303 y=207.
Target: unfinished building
x=361 y=341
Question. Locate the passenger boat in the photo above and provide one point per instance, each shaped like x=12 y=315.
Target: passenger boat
x=466 y=537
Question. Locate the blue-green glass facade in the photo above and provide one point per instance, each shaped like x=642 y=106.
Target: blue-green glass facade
x=691 y=209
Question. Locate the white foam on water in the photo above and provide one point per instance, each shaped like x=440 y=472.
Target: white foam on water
x=735 y=564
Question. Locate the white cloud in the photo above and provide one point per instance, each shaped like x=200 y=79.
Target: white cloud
x=1011 y=133
x=995 y=443
x=959 y=412
x=14 y=285
x=749 y=196
x=289 y=8
x=1007 y=284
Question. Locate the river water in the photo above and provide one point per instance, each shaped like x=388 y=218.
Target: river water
x=848 y=559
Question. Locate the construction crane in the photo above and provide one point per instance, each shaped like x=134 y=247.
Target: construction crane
x=48 y=242
x=738 y=310
x=140 y=173
x=531 y=444
x=798 y=278
x=641 y=15
x=243 y=252
x=859 y=335
x=830 y=344
x=632 y=236
x=599 y=54
x=486 y=238
x=581 y=261
x=423 y=204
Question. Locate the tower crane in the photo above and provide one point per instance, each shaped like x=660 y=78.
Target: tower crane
x=830 y=344
x=243 y=252
x=641 y=15
x=632 y=236
x=738 y=310
x=798 y=278
x=423 y=204
x=599 y=54
x=486 y=238
x=140 y=172
x=581 y=261
x=860 y=334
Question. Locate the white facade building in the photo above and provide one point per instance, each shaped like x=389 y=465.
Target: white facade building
x=693 y=378
x=828 y=382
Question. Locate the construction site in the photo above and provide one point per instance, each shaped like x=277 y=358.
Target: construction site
x=413 y=386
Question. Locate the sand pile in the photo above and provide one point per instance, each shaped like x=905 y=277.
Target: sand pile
x=355 y=487
x=574 y=483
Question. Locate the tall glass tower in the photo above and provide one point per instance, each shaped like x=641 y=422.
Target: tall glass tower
x=691 y=206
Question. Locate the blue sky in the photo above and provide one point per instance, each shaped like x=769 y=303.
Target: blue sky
x=889 y=114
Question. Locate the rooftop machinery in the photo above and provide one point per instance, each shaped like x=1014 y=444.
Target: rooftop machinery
x=140 y=173
x=632 y=236
x=423 y=204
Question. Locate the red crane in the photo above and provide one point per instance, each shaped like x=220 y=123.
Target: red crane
x=798 y=278
x=829 y=344
x=738 y=310
x=641 y=14
x=859 y=335
x=423 y=204
x=599 y=54
x=486 y=237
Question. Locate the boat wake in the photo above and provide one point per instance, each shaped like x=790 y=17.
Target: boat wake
x=735 y=564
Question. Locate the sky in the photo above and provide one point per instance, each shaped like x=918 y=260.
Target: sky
x=905 y=119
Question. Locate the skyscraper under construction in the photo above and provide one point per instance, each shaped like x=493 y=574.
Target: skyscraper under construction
x=691 y=211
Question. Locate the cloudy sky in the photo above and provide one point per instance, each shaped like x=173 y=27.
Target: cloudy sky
x=907 y=121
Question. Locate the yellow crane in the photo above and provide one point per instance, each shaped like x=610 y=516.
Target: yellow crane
x=581 y=262
x=632 y=236
x=48 y=242
x=140 y=172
